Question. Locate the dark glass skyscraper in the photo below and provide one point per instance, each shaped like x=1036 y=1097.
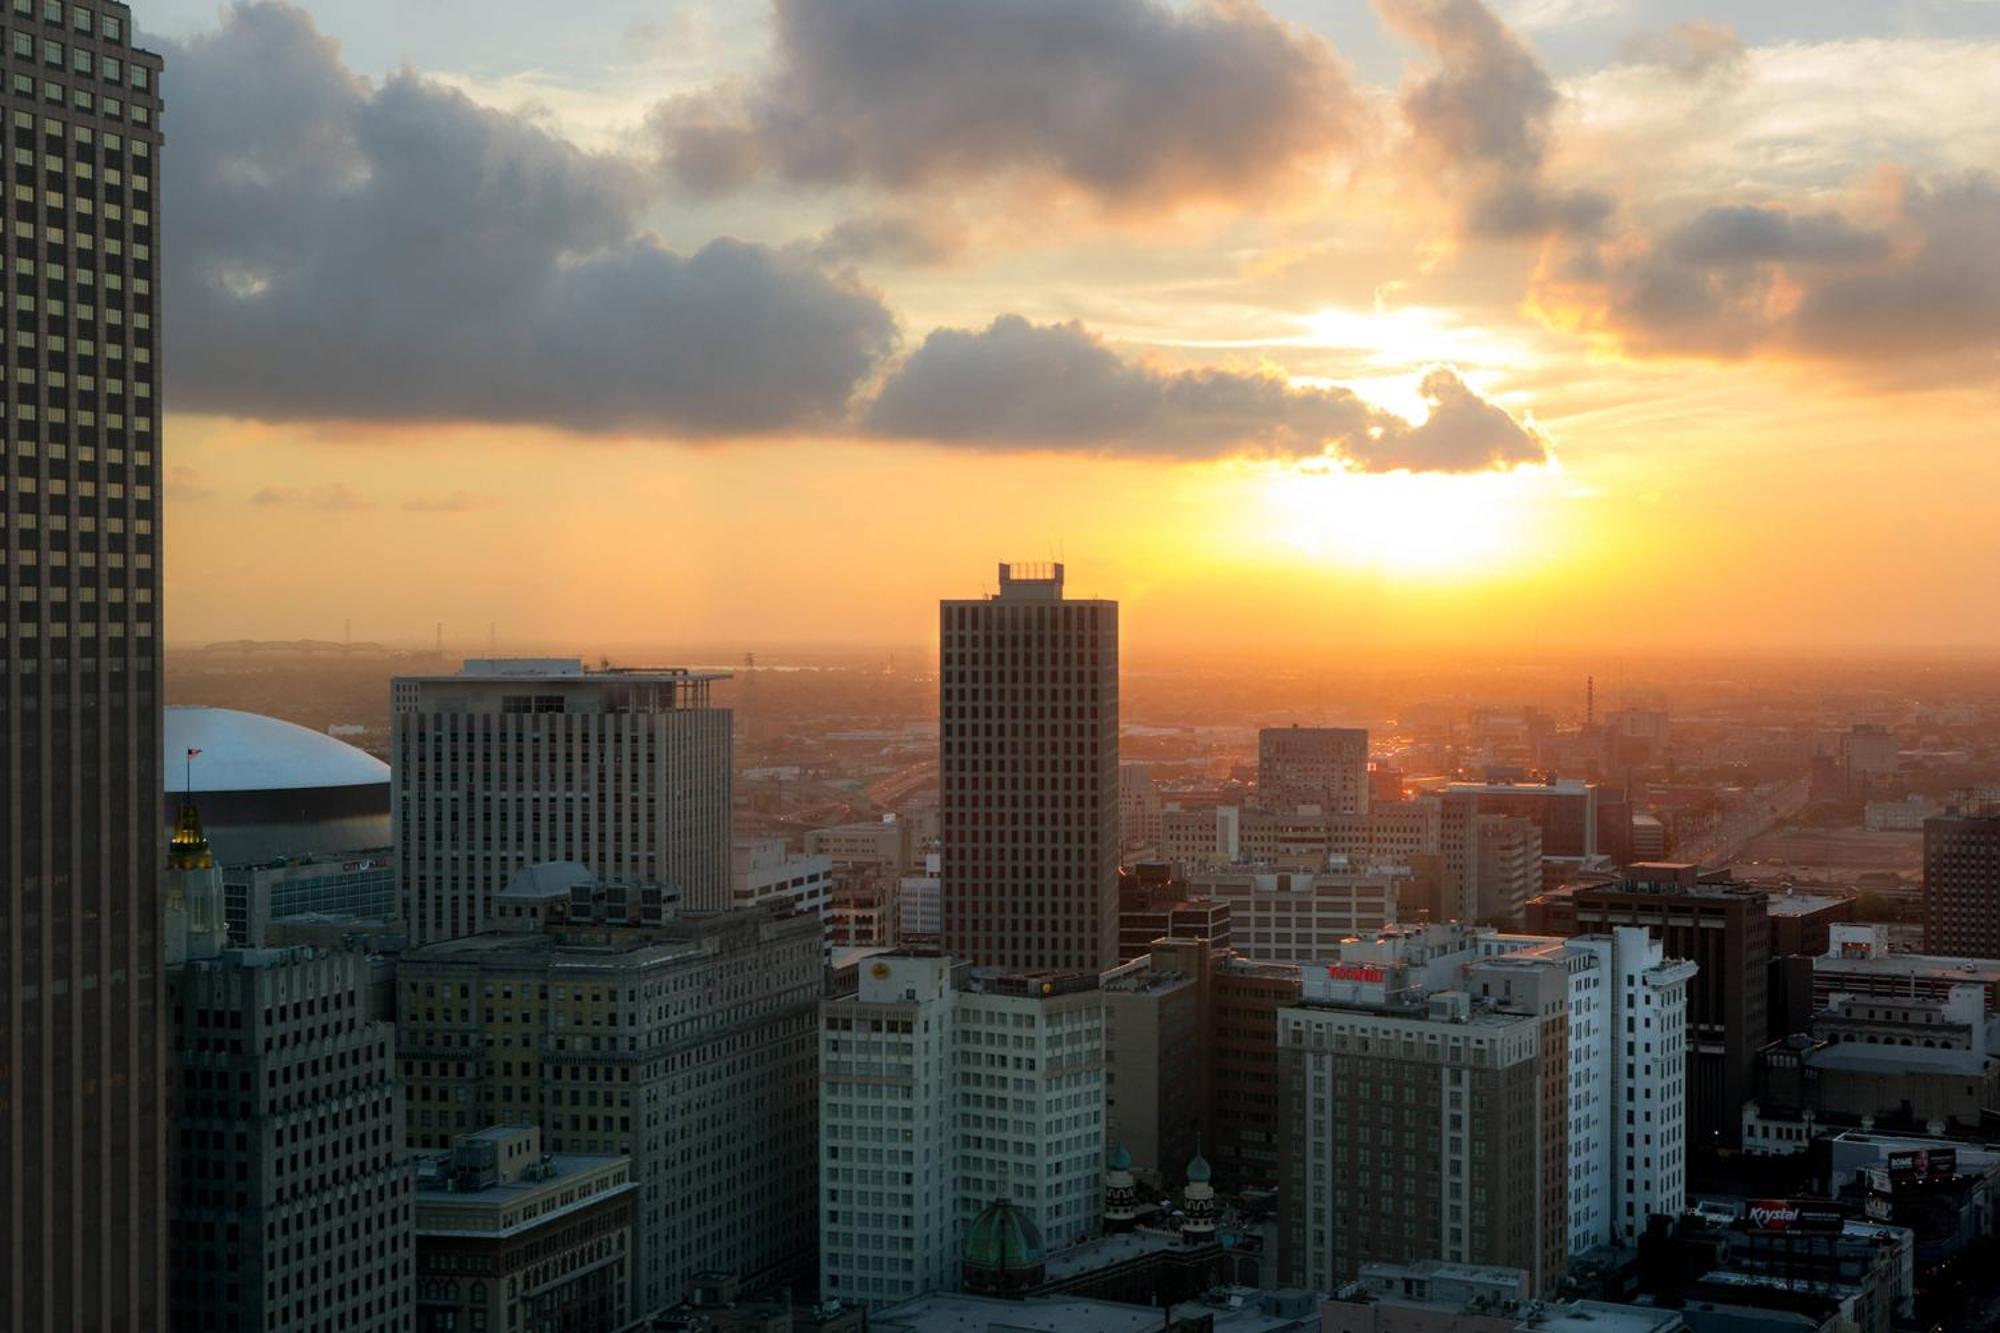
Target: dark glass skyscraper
x=1029 y=758
x=82 y=1101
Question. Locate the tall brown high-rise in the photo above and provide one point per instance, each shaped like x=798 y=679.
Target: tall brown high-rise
x=1028 y=708
x=1962 y=884
x=82 y=1189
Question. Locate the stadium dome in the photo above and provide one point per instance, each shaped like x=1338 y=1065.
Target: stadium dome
x=269 y=789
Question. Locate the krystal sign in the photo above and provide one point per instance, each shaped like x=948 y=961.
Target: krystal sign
x=1365 y=972
x=1793 y=1215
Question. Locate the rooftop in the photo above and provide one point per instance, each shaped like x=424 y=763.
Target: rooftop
x=238 y=751
x=566 y=670
x=1802 y=904
x=982 y=1314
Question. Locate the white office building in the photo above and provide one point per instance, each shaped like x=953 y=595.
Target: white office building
x=944 y=1087
x=513 y=763
x=763 y=874
x=1649 y=1082
x=1628 y=1079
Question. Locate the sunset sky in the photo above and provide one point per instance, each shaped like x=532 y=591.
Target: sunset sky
x=1302 y=323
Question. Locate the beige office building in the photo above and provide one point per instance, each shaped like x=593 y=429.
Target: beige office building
x=684 y=1043
x=513 y=763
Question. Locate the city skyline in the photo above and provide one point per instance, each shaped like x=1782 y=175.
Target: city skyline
x=1421 y=244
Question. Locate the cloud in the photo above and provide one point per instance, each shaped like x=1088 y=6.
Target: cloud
x=1694 y=51
x=1136 y=103
x=331 y=497
x=456 y=502
x=350 y=251
x=1730 y=237
x=1020 y=386
x=1914 y=296
x=893 y=238
x=1480 y=120
x=184 y=484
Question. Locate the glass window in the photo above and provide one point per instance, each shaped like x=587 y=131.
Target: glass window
x=140 y=76
x=81 y=18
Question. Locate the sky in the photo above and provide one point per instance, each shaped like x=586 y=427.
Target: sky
x=1295 y=324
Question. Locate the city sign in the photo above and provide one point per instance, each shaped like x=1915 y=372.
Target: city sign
x=1355 y=972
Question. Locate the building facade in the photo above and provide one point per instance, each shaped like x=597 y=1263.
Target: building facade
x=1318 y=766
x=1243 y=1079
x=292 y=1188
x=1300 y=916
x=514 y=763
x=1156 y=1056
x=511 y=1237
x=82 y=1134
x=1423 y=1124
x=945 y=1088
x=1962 y=885
x=685 y=1044
x=1725 y=930
x=1028 y=696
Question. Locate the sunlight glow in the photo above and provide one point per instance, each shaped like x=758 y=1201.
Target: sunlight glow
x=1413 y=524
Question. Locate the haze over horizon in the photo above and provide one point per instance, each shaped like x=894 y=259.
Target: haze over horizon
x=1418 y=327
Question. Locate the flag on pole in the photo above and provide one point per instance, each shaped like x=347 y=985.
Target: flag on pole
x=192 y=753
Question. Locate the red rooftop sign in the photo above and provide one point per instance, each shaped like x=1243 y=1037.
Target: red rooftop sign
x=1355 y=972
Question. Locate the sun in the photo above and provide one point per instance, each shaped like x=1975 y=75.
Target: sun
x=1426 y=525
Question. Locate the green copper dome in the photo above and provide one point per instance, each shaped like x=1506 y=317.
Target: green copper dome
x=1120 y=1159
x=1199 y=1171
x=1004 y=1239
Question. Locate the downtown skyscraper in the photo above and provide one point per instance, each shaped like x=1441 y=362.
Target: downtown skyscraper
x=513 y=763
x=1028 y=717
x=82 y=1101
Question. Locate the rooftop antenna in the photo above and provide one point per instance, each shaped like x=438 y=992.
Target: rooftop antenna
x=1589 y=700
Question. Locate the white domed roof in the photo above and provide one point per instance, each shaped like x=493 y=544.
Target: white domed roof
x=251 y=752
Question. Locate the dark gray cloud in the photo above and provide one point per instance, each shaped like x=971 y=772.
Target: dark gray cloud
x=1136 y=102
x=1914 y=296
x=1733 y=236
x=1935 y=297
x=1481 y=119
x=1020 y=386
x=342 y=250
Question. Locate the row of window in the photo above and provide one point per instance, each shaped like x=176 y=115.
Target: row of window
x=109 y=27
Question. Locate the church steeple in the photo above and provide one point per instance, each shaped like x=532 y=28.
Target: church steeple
x=188 y=849
x=195 y=923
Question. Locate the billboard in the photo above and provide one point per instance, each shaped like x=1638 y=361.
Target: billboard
x=1923 y=1164
x=1803 y=1215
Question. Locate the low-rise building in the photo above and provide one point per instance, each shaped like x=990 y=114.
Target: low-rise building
x=763 y=874
x=511 y=1237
